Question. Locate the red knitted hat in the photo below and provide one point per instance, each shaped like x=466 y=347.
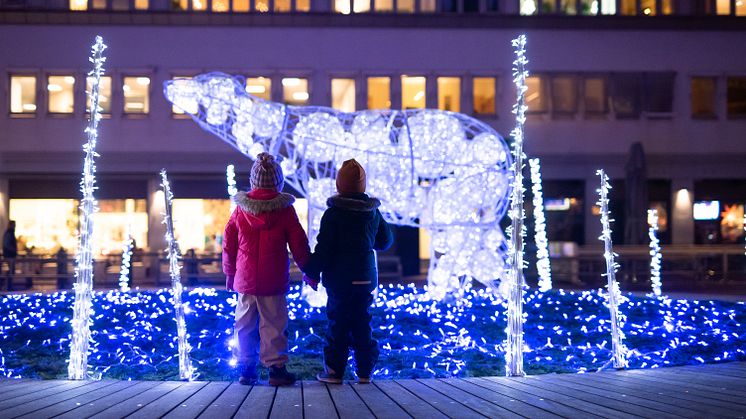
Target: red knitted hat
x=351 y=178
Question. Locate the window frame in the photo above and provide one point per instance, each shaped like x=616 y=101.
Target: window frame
x=551 y=105
x=461 y=78
x=411 y=74
x=366 y=93
x=546 y=91
x=344 y=76
x=37 y=93
x=104 y=115
x=135 y=115
x=48 y=97
x=604 y=114
x=273 y=78
x=293 y=75
x=728 y=115
x=716 y=93
x=474 y=112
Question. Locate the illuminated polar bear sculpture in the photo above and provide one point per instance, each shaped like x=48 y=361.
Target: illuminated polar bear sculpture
x=443 y=171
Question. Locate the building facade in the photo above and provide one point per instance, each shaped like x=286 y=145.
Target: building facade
x=669 y=74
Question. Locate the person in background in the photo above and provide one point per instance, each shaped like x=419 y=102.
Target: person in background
x=256 y=265
x=10 y=252
x=61 y=259
x=351 y=230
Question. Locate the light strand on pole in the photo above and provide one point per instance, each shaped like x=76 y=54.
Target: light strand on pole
x=543 y=264
x=655 y=252
x=619 y=351
x=186 y=371
x=83 y=308
x=516 y=231
x=124 y=271
x=230 y=176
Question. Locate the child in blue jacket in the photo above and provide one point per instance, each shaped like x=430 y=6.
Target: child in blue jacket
x=351 y=230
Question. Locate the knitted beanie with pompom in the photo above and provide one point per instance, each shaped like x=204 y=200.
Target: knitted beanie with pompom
x=266 y=173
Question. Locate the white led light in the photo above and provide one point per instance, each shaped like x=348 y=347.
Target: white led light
x=655 y=252
x=543 y=264
x=124 y=271
x=230 y=177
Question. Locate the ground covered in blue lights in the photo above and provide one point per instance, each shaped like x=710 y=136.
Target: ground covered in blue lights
x=134 y=334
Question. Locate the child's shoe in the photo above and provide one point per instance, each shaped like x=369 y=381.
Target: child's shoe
x=248 y=375
x=279 y=376
x=329 y=376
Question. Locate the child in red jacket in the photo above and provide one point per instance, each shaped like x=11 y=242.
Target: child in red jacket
x=256 y=265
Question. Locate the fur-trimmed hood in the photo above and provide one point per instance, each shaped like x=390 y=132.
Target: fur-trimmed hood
x=360 y=203
x=257 y=206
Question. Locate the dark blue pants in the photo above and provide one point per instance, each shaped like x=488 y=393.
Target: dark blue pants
x=349 y=327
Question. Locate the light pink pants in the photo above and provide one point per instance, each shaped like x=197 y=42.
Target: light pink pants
x=261 y=329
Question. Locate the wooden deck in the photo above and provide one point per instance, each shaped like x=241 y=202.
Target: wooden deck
x=705 y=391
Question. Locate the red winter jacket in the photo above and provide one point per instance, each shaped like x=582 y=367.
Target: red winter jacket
x=255 y=248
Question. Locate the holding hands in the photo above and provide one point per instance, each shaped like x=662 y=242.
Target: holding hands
x=313 y=283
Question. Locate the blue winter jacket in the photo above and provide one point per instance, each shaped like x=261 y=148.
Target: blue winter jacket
x=351 y=229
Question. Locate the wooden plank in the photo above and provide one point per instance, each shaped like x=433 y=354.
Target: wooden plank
x=106 y=402
x=36 y=403
x=716 y=376
x=81 y=399
x=226 y=405
x=714 y=388
x=378 y=402
x=512 y=404
x=288 y=402
x=6 y=383
x=168 y=401
x=31 y=394
x=198 y=402
x=503 y=387
x=34 y=386
x=476 y=403
x=678 y=398
x=562 y=397
x=257 y=404
x=128 y=406
x=609 y=402
x=317 y=402
x=413 y=405
x=349 y=405
x=706 y=371
x=575 y=381
x=444 y=404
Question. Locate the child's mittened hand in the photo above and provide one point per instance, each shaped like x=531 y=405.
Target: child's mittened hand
x=229 y=282
x=314 y=284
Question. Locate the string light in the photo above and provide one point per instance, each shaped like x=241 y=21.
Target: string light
x=430 y=168
x=543 y=264
x=419 y=337
x=655 y=252
x=614 y=295
x=517 y=231
x=124 y=271
x=82 y=310
x=186 y=371
x=230 y=176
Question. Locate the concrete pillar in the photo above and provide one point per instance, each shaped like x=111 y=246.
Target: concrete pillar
x=682 y=208
x=156 y=208
x=4 y=203
x=431 y=92
x=592 y=221
x=396 y=92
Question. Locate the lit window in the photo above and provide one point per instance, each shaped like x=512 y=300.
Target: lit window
x=548 y=6
x=628 y=7
x=199 y=222
x=141 y=4
x=22 y=94
x=295 y=91
x=220 y=6
x=260 y=87
x=179 y=4
x=722 y=7
x=564 y=95
x=737 y=97
x=60 y=94
x=588 y=7
x=427 y=6
x=302 y=5
x=361 y=6
x=703 y=97
x=567 y=7
x=199 y=5
x=385 y=5
x=667 y=7
x=136 y=95
x=413 y=92
x=379 y=93
x=99 y=4
x=112 y=220
x=484 y=95
x=262 y=6
x=404 y=6
x=535 y=95
x=648 y=7
x=342 y=6
x=281 y=5
x=46 y=224
x=104 y=94
x=740 y=7
x=240 y=5
x=594 y=95
x=449 y=94
x=528 y=7
x=78 y=4
x=608 y=7
x=343 y=94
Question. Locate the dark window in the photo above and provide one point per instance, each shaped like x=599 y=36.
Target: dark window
x=471 y=6
x=492 y=5
x=449 y=6
x=626 y=95
x=703 y=97
x=594 y=95
x=564 y=95
x=736 y=97
x=658 y=92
